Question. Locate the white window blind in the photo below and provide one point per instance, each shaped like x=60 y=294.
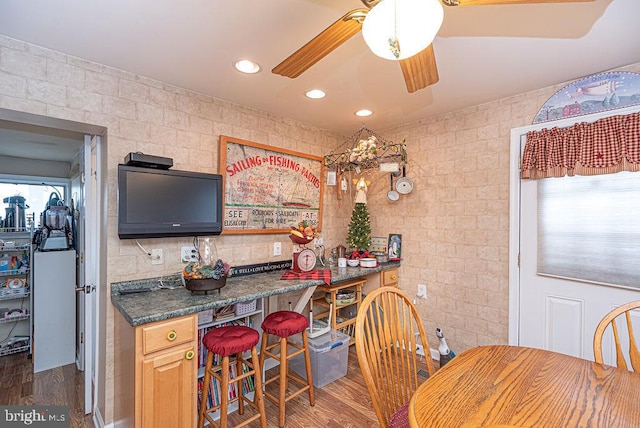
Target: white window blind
x=589 y=228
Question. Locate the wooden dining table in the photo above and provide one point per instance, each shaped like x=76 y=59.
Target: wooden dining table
x=526 y=387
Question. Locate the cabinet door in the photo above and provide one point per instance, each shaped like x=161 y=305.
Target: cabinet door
x=168 y=389
x=389 y=278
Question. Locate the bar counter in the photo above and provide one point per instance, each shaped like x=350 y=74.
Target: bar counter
x=157 y=303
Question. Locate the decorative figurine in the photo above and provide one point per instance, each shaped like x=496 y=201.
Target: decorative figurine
x=446 y=354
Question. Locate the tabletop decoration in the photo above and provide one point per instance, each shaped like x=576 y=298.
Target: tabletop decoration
x=200 y=279
x=303 y=233
x=359 y=233
x=358 y=254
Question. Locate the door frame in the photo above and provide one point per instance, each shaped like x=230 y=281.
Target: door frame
x=99 y=317
x=517 y=137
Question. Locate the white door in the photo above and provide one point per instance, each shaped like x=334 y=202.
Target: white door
x=558 y=314
x=550 y=312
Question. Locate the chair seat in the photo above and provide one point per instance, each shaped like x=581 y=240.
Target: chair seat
x=285 y=323
x=400 y=419
x=230 y=340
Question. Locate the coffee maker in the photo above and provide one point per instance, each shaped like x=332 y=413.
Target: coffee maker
x=54 y=234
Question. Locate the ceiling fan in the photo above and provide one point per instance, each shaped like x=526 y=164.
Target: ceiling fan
x=419 y=70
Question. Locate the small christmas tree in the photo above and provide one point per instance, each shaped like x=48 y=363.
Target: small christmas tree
x=359 y=236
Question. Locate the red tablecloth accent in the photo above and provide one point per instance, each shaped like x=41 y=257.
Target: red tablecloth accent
x=324 y=275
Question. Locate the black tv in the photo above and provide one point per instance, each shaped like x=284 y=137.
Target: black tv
x=155 y=203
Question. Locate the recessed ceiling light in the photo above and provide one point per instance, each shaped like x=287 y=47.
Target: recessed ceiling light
x=315 y=94
x=363 y=113
x=247 y=66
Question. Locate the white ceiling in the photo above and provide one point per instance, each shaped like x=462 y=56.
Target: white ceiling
x=483 y=53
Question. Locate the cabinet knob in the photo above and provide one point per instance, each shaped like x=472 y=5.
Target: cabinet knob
x=394 y=277
x=171 y=336
x=189 y=354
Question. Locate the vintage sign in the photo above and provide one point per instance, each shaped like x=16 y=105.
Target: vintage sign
x=268 y=189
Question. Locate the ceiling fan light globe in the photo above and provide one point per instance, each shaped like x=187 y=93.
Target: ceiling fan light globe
x=413 y=23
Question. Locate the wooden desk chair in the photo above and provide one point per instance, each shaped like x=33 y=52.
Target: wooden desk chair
x=388 y=329
x=610 y=319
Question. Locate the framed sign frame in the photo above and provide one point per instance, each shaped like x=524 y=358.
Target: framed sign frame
x=268 y=189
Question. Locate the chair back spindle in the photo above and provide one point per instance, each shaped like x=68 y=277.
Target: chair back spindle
x=388 y=331
x=610 y=319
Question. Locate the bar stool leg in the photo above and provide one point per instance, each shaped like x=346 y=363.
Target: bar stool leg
x=307 y=363
x=263 y=349
x=258 y=398
x=283 y=380
x=224 y=392
x=239 y=383
x=205 y=391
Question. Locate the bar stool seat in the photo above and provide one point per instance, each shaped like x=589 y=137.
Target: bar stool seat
x=284 y=324
x=225 y=342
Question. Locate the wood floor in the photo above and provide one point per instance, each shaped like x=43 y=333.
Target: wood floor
x=62 y=386
x=344 y=403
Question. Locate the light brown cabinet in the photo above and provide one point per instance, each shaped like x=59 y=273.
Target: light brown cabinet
x=389 y=278
x=165 y=373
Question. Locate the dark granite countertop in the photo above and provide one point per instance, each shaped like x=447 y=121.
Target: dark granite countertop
x=167 y=297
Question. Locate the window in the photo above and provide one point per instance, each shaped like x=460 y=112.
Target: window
x=35 y=197
x=589 y=228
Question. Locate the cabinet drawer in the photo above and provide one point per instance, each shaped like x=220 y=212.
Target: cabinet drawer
x=389 y=277
x=167 y=334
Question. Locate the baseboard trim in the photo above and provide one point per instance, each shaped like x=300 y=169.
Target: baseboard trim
x=98 y=422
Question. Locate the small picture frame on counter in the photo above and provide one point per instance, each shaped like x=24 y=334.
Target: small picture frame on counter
x=395 y=246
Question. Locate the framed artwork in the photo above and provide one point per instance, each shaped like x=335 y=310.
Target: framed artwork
x=268 y=189
x=395 y=246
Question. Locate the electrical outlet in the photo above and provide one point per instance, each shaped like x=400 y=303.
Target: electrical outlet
x=435 y=354
x=419 y=347
x=156 y=256
x=422 y=291
x=277 y=248
x=188 y=254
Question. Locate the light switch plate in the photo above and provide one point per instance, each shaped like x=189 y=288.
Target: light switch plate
x=331 y=178
x=422 y=291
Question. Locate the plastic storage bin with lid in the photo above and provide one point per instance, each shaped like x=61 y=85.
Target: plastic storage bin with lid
x=329 y=356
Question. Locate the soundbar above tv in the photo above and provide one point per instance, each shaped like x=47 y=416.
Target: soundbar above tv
x=156 y=203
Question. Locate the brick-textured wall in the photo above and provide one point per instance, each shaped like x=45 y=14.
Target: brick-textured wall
x=454 y=225
x=145 y=115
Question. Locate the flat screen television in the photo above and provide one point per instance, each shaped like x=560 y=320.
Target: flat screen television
x=155 y=203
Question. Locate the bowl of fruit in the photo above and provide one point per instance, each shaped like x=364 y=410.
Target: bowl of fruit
x=302 y=233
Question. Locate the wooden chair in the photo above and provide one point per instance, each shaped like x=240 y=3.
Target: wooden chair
x=610 y=319
x=388 y=330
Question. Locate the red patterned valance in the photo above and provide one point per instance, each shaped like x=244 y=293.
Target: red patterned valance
x=606 y=146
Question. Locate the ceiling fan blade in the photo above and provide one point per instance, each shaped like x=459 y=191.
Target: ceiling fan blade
x=420 y=70
x=498 y=2
x=322 y=45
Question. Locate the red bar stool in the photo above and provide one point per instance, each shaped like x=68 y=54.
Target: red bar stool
x=284 y=324
x=225 y=342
